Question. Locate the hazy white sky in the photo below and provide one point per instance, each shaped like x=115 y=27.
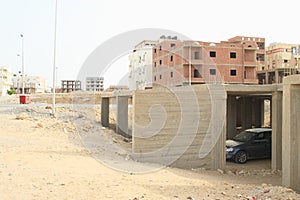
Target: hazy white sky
x=84 y=24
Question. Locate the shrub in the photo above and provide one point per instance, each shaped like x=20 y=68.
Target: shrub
x=12 y=91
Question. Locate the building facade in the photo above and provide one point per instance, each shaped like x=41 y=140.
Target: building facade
x=177 y=62
x=32 y=84
x=140 y=68
x=70 y=86
x=94 y=84
x=5 y=80
x=282 y=60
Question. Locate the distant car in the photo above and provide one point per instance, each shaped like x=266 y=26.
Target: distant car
x=249 y=144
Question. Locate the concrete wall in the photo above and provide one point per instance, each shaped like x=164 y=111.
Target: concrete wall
x=291 y=133
x=182 y=127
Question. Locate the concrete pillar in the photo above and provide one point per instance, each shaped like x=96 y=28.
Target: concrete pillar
x=122 y=115
x=262 y=111
x=239 y=112
x=267 y=77
x=291 y=133
x=256 y=112
x=276 y=76
x=231 y=117
x=277 y=130
x=246 y=113
x=105 y=112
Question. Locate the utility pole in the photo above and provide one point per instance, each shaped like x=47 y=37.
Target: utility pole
x=54 y=60
x=23 y=87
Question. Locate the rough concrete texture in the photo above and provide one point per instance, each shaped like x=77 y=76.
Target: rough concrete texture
x=181 y=127
x=291 y=133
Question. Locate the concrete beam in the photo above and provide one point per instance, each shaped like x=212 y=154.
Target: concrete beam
x=290 y=132
x=122 y=115
x=277 y=130
x=105 y=112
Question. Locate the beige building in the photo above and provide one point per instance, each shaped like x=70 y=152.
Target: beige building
x=5 y=80
x=94 y=84
x=282 y=60
x=140 y=68
x=32 y=84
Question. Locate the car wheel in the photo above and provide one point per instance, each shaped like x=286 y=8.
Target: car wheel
x=240 y=157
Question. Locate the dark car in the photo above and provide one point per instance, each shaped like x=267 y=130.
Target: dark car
x=249 y=144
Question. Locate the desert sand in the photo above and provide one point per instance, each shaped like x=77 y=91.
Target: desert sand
x=42 y=157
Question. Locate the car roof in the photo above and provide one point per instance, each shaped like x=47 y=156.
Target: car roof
x=259 y=130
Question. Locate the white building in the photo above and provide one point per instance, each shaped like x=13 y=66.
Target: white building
x=32 y=84
x=94 y=84
x=140 y=69
x=5 y=80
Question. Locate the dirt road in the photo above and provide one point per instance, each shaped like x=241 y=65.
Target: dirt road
x=42 y=158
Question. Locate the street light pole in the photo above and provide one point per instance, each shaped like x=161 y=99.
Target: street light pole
x=54 y=61
x=190 y=65
x=23 y=87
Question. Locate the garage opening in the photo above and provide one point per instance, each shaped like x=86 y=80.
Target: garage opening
x=248 y=136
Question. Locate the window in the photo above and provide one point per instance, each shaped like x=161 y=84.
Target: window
x=212 y=54
x=154 y=78
x=232 y=54
x=154 y=64
x=171 y=58
x=154 y=50
x=197 y=55
x=160 y=62
x=171 y=74
x=196 y=74
x=233 y=72
x=212 y=71
x=160 y=76
x=160 y=48
x=172 y=45
x=285 y=61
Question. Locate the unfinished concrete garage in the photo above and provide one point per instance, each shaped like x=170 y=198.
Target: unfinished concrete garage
x=178 y=128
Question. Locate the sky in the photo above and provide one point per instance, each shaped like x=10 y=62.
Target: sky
x=83 y=25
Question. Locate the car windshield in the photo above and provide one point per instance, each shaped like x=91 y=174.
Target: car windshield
x=244 y=136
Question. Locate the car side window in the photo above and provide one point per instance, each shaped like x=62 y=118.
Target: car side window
x=260 y=136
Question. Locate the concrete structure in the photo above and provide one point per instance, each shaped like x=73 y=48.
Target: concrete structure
x=177 y=128
x=70 y=86
x=32 y=84
x=291 y=133
x=140 y=68
x=94 y=84
x=163 y=121
x=282 y=60
x=117 y=88
x=187 y=62
x=5 y=80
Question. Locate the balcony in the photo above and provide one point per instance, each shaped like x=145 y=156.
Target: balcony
x=251 y=81
x=250 y=64
x=193 y=62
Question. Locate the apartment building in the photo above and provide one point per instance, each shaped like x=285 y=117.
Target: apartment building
x=32 y=84
x=94 y=84
x=70 y=86
x=177 y=62
x=140 y=68
x=5 y=80
x=282 y=60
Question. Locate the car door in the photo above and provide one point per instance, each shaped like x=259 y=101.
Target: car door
x=260 y=145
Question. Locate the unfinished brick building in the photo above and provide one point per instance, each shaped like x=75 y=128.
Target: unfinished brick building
x=178 y=62
x=281 y=60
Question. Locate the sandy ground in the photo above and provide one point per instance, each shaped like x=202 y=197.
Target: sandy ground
x=42 y=157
